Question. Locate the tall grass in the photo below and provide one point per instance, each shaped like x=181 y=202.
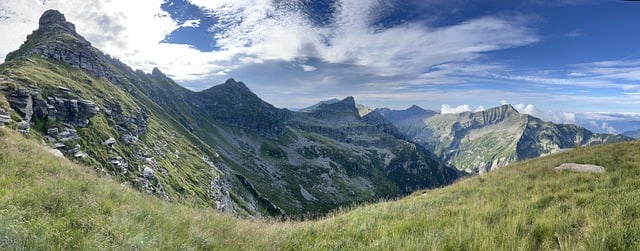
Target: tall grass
x=50 y=203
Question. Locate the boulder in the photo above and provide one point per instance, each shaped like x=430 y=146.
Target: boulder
x=56 y=153
x=148 y=173
x=23 y=127
x=580 y=168
x=109 y=142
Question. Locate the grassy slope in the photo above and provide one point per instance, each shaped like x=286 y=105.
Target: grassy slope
x=47 y=202
x=164 y=134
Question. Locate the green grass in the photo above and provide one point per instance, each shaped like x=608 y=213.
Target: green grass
x=51 y=203
x=188 y=176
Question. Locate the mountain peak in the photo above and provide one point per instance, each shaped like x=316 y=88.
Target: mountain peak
x=345 y=108
x=415 y=108
x=349 y=101
x=508 y=108
x=157 y=72
x=234 y=103
x=52 y=19
x=232 y=83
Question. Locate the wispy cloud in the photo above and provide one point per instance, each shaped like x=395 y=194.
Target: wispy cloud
x=274 y=45
x=573 y=34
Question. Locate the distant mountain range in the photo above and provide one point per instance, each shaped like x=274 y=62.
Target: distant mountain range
x=617 y=123
x=483 y=141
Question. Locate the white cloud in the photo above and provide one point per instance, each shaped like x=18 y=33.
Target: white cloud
x=609 y=129
x=388 y=62
x=258 y=31
x=446 y=109
x=558 y=117
x=191 y=23
x=308 y=68
x=128 y=30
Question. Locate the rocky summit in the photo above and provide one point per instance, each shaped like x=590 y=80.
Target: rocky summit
x=223 y=147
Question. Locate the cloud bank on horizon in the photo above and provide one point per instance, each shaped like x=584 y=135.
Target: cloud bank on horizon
x=293 y=53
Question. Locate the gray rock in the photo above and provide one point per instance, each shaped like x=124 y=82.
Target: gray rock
x=53 y=131
x=74 y=112
x=80 y=155
x=59 y=145
x=55 y=19
x=21 y=102
x=75 y=149
x=109 y=142
x=128 y=139
x=306 y=195
x=580 y=168
x=23 y=127
x=148 y=173
x=4 y=119
x=56 y=153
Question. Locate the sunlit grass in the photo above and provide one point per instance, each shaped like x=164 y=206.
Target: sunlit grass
x=50 y=203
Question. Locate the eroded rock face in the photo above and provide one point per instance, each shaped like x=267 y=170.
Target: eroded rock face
x=54 y=19
x=72 y=111
x=56 y=38
x=129 y=127
x=29 y=103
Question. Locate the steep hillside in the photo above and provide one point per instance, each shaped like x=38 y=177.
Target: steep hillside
x=223 y=147
x=325 y=158
x=490 y=139
x=48 y=202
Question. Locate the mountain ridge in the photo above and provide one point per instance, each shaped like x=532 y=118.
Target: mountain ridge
x=223 y=147
x=489 y=139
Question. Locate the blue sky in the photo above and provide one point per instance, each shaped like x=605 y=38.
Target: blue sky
x=549 y=58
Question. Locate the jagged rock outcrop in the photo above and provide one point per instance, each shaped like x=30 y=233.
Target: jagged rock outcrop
x=130 y=127
x=57 y=39
x=71 y=111
x=52 y=20
x=29 y=103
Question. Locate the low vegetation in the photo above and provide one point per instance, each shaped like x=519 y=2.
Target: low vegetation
x=47 y=202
